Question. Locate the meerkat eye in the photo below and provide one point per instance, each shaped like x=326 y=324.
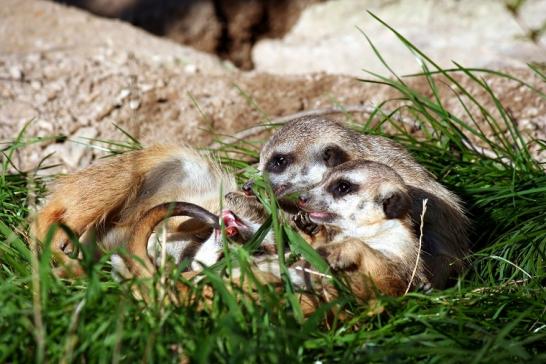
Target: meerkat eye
x=341 y=188
x=278 y=163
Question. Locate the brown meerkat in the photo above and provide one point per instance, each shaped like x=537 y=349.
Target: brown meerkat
x=242 y=216
x=265 y=266
x=239 y=228
x=365 y=207
x=298 y=155
x=107 y=199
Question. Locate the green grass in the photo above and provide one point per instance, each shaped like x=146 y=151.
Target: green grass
x=494 y=313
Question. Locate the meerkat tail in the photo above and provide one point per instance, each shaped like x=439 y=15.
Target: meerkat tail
x=137 y=246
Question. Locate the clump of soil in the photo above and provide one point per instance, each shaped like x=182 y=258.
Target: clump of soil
x=228 y=28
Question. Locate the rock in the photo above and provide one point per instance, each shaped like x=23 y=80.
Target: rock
x=472 y=33
x=16 y=73
x=228 y=28
x=53 y=28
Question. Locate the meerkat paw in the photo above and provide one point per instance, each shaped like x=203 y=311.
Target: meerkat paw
x=304 y=223
x=337 y=257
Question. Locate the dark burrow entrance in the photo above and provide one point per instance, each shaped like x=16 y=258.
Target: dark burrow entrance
x=228 y=28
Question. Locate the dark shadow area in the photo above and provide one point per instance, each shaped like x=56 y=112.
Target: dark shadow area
x=228 y=28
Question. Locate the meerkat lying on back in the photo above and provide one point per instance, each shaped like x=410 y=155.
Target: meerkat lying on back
x=365 y=207
x=300 y=153
x=109 y=198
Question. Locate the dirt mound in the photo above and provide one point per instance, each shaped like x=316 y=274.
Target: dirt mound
x=228 y=28
x=68 y=73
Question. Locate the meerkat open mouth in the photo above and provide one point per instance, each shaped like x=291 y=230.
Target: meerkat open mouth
x=232 y=223
x=320 y=217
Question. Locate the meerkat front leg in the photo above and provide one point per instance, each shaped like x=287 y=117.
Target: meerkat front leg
x=367 y=269
x=342 y=256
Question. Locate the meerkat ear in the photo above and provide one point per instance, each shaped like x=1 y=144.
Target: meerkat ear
x=334 y=156
x=396 y=204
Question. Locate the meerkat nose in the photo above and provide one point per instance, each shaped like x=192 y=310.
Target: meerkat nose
x=247 y=187
x=303 y=199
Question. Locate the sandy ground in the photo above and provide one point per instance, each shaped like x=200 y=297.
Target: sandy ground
x=65 y=72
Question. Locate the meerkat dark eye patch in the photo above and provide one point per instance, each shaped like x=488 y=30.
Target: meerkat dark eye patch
x=396 y=205
x=341 y=187
x=279 y=162
x=333 y=156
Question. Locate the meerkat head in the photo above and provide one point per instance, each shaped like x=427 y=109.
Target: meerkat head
x=357 y=195
x=242 y=216
x=298 y=155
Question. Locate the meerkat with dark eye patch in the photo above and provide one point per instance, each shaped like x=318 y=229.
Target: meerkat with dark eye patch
x=300 y=153
x=365 y=207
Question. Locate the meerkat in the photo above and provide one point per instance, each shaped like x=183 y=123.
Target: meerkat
x=300 y=153
x=265 y=267
x=242 y=216
x=106 y=200
x=239 y=228
x=366 y=208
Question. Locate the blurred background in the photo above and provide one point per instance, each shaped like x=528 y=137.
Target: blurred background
x=319 y=35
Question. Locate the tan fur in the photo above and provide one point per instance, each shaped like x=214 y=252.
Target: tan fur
x=111 y=196
x=366 y=269
x=445 y=242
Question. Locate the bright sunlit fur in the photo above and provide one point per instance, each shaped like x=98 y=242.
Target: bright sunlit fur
x=110 y=197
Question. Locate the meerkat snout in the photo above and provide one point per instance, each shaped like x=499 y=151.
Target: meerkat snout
x=303 y=199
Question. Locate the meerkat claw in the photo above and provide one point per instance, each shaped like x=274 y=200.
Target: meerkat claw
x=304 y=223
